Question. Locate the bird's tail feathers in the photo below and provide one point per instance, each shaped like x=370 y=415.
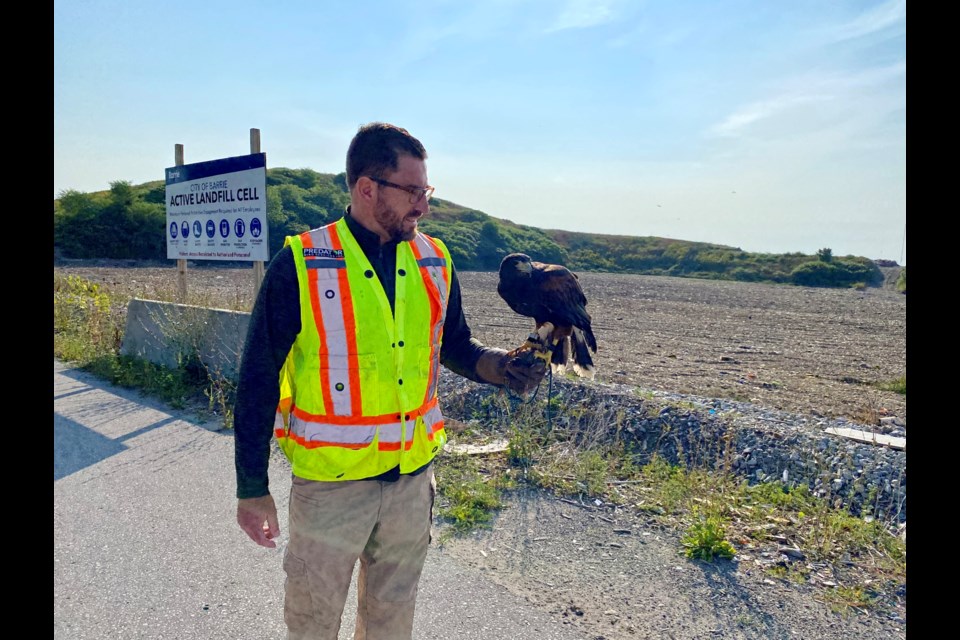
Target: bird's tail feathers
x=591 y=340
x=582 y=362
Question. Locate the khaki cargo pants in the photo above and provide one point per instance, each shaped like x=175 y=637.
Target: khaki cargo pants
x=386 y=525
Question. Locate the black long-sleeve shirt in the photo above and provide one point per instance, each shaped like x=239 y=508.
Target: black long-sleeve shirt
x=274 y=325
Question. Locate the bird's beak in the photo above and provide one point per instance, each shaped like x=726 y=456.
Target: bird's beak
x=525 y=267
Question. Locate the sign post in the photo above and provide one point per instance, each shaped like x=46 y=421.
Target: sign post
x=181 y=262
x=258 y=264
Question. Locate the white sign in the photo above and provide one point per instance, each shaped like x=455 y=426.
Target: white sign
x=217 y=210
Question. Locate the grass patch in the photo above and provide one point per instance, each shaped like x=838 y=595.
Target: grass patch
x=897 y=385
x=470 y=492
x=843 y=600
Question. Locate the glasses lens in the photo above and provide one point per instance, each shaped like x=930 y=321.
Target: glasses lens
x=421 y=193
x=416 y=194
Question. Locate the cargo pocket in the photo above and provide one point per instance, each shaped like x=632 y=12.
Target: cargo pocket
x=298 y=608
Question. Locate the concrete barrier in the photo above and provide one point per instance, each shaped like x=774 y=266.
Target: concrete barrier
x=168 y=333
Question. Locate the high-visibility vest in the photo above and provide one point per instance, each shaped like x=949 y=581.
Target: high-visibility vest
x=358 y=390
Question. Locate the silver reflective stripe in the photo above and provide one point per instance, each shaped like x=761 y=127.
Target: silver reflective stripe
x=390 y=432
x=335 y=433
x=434 y=260
x=344 y=434
x=434 y=366
x=432 y=417
x=331 y=318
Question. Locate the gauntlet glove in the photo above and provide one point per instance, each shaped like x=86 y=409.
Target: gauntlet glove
x=521 y=373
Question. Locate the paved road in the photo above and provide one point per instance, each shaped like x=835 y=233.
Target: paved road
x=146 y=546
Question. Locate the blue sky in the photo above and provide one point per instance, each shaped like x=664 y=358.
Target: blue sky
x=770 y=126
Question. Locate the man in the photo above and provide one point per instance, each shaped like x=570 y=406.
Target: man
x=341 y=363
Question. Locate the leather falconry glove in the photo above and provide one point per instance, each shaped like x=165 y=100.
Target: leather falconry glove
x=521 y=373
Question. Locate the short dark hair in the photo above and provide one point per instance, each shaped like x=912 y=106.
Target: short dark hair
x=375 y=149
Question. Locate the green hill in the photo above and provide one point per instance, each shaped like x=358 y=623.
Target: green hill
x=129 y=222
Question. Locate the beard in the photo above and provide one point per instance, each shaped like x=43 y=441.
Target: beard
x=393 y=222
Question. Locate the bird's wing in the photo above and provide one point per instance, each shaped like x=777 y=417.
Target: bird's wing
x=559 y=292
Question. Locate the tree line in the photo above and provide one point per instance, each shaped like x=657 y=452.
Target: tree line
x=129 y=222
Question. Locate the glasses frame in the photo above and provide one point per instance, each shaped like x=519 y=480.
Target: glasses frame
x=416 y=193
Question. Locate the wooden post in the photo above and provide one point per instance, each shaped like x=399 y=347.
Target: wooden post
x=258 y=264
x=181 y=263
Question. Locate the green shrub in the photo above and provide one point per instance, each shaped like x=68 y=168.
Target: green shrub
x=902 y=281
x=87 y=322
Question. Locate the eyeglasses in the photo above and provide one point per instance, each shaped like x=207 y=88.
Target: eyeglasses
x=415 y=192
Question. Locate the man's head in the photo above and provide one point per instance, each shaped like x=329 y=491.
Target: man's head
x=375 y=149
x=387 y=177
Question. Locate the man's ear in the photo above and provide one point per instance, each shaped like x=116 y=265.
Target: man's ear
x=366 y=189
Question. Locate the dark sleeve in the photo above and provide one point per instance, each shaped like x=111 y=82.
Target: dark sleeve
x=459 y=351
x=274 y=325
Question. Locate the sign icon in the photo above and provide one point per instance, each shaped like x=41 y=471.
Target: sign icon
x=239 y=228
x=255 y=227
x=173 y=229
x=196 y=229
x=185 y=229
x=211 y=228
x=224 y=228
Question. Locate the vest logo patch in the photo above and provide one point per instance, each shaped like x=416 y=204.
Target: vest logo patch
x=322 y=252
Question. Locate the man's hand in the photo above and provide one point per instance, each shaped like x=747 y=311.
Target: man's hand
x=258 y=518
x=519 y=370
x=523 y=373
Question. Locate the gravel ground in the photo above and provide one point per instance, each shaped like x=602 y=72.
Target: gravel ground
x=790 y=360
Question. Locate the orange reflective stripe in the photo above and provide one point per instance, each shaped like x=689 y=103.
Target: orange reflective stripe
x=438 y=297
x=350 y=325
x=307 y=241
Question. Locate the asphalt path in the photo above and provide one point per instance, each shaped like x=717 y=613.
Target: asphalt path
x=146 y=545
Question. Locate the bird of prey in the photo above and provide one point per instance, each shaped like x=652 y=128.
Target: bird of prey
x=551 y=295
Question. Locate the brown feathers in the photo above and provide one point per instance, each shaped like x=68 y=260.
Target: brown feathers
x=551 y=293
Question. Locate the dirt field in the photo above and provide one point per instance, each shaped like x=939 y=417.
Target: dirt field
x=804 y=350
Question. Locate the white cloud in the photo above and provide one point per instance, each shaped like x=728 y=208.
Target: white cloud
x=579 y=14
x=840 y=95
x=749 y=114
x=878 y=18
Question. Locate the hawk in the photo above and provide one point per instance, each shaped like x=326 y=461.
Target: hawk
x=551 y=295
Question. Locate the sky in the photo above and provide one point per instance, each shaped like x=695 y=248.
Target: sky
x=774 y=127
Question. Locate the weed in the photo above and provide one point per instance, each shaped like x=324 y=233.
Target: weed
x=470 y=498
x=706 y=539
x=897 y=385
x=789 y=572
x=843 y=599
x=745 y=620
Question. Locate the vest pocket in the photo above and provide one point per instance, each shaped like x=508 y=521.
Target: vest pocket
x=345 y=386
